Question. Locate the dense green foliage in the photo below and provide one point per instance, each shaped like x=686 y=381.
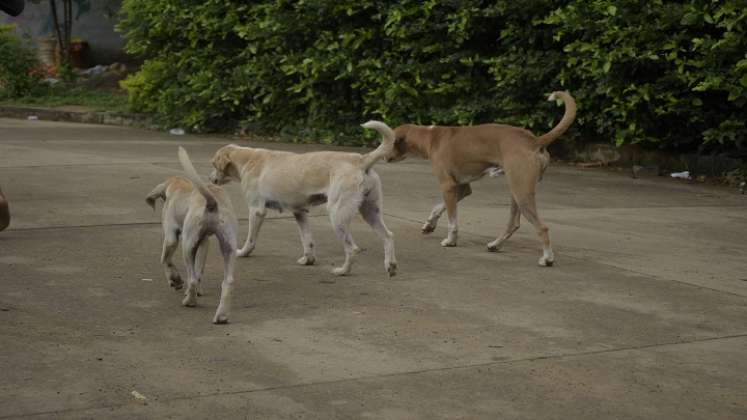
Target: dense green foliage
x=666 y=73
x=19 y=68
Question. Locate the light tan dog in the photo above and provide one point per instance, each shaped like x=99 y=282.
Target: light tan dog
x=289 y=181
x=460 y=155
x=4 y=212
x=192 y=211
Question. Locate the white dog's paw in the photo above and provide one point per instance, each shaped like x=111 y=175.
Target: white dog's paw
x=428 y=227
x=545 y=261
x=356 y=249
x=306 y=260
x=190 y=300
x=391 y=268
x=449 y=242
x=220 y=319
x=341 y=271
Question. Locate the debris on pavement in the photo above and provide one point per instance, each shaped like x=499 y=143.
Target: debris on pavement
x=32 y=118
x=139 y=397
x=146 y=279
x=177 y=131
x=742 y=187
x=682 y=175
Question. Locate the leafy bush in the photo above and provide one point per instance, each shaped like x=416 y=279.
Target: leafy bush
x=19 y=67
x=662 y=73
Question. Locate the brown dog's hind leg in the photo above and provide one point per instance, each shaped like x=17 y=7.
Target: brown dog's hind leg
x=528 y=209
x=513 y=226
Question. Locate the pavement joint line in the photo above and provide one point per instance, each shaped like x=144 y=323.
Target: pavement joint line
x=103 y=225
x=389 y=375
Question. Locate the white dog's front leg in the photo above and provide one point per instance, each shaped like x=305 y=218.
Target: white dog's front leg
x=256 y=217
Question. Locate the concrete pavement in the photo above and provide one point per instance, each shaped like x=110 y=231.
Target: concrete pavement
x=643 y=316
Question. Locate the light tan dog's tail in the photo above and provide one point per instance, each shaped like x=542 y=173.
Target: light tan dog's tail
x=387 y=144
x=211 y=203
x=570 y=115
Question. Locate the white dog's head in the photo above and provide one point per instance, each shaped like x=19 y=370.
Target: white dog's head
x=224 y=168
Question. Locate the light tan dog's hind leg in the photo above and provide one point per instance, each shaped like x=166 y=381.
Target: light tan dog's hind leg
x=371 y=211
x=513 y=226
x=344 y=202
x=523 y=184
x=227 y=242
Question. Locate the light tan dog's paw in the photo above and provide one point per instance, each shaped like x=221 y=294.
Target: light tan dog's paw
x=449 y=242
x=493 y=246
x=306 y=260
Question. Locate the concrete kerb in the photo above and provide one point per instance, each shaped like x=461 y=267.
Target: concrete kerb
x=89 y=117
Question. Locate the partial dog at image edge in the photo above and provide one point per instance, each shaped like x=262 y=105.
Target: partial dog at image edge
x=4 y=212
x=461 y=155
x=204 y=210
x=279 y=180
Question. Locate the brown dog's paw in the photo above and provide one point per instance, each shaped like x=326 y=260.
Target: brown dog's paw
x=427 y=228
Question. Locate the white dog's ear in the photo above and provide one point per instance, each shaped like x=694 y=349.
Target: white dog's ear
x=221 y=160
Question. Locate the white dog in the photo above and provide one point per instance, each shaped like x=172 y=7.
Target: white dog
x=192 y=211
x=294 y=182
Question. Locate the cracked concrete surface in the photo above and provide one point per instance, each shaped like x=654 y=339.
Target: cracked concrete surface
x=643 y=316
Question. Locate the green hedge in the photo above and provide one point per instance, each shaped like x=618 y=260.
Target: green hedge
x=19 y=68
x=666 y=74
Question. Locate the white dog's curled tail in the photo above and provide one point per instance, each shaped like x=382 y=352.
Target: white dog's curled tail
x=387 y=144
x=211 y=203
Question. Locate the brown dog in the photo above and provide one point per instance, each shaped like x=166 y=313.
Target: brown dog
x=4 y=212
x=460 y=155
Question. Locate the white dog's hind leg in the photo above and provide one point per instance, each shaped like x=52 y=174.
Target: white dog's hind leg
x=341 y=212
x=200 y=259
x=371 y=212
x=189 y=249
x=256 y=217
x=309 y=256
x=227 y=247
x=170 y=243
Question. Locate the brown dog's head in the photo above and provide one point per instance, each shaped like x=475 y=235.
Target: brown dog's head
x=224 y=169
x=400 y=149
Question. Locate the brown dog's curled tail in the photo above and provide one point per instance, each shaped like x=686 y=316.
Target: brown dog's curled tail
x=211 y=204
x=570 y=115
x=387 y=144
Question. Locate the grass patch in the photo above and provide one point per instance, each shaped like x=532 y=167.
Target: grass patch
x=61 y=95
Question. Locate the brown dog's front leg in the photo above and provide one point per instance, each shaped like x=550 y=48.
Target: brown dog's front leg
x=430 y=224
x=451 y=197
